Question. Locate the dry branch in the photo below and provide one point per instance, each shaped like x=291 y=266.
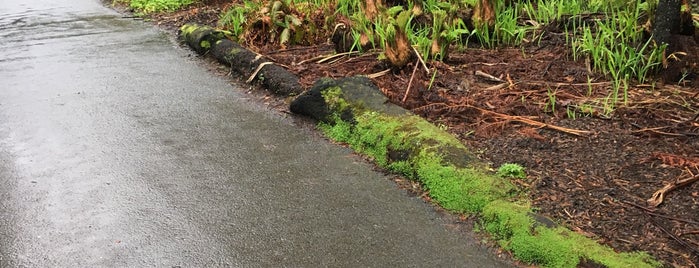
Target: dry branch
x=419 y=58
x=659 y=195
x=379 y=74
x=489 y=77
x=410 y=83
x=520 y=119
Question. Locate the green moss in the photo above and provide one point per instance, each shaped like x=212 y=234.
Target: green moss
x=458 y=189
x=187 y=29
x=340 y=131
x=545 y=247
x=516 y=231
x=205 y=44
x=333 y=97
x=504 y=219
x=403 y=167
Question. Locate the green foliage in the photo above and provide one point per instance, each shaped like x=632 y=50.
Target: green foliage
x=271 y=21
x=611 y=47
x=613 y=43
x=234 y=17
x=510 y=170
x=150 y=6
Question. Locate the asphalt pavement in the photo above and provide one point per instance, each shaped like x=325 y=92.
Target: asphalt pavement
x=118 y=149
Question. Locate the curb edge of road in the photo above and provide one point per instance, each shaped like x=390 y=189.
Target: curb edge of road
x=352 y=111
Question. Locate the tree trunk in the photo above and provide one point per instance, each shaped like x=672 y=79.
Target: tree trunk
x=667 y=21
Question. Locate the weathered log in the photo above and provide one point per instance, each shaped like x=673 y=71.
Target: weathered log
x=200 y=38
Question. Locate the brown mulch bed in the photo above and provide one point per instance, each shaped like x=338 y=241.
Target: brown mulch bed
x=594 y=173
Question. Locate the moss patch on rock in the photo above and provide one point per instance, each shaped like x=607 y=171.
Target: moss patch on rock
x=201 y=38
x=456 y=180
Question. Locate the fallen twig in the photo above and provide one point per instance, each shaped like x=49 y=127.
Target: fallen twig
x=489 y=77
x=312 y=59
x=657 y=197
x=489 y=64
x=324 y=58
x=535 y=123
x=336 y=56
x=410 y=83
x=689 y=233
x=656 y=130
x=498 y=86
x=379 y=74
x=257 y=70
x=520 y=119
x=419 y=58
x=674 y=237
x=560 y=84
x=649 y=213
x=292 y=49
x=652 y=213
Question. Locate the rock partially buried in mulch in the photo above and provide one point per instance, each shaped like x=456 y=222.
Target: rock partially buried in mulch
x=358 y=90
x=359 y=95
x=248 y=64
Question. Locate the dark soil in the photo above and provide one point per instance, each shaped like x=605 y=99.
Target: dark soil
x=593 y=173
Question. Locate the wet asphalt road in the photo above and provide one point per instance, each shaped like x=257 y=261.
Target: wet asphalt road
x=116 y=150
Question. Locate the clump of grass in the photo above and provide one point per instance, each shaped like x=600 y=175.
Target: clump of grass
x=151 y=6
x=511 y=170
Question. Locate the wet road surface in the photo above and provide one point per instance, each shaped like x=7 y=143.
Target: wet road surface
x=116 y=150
